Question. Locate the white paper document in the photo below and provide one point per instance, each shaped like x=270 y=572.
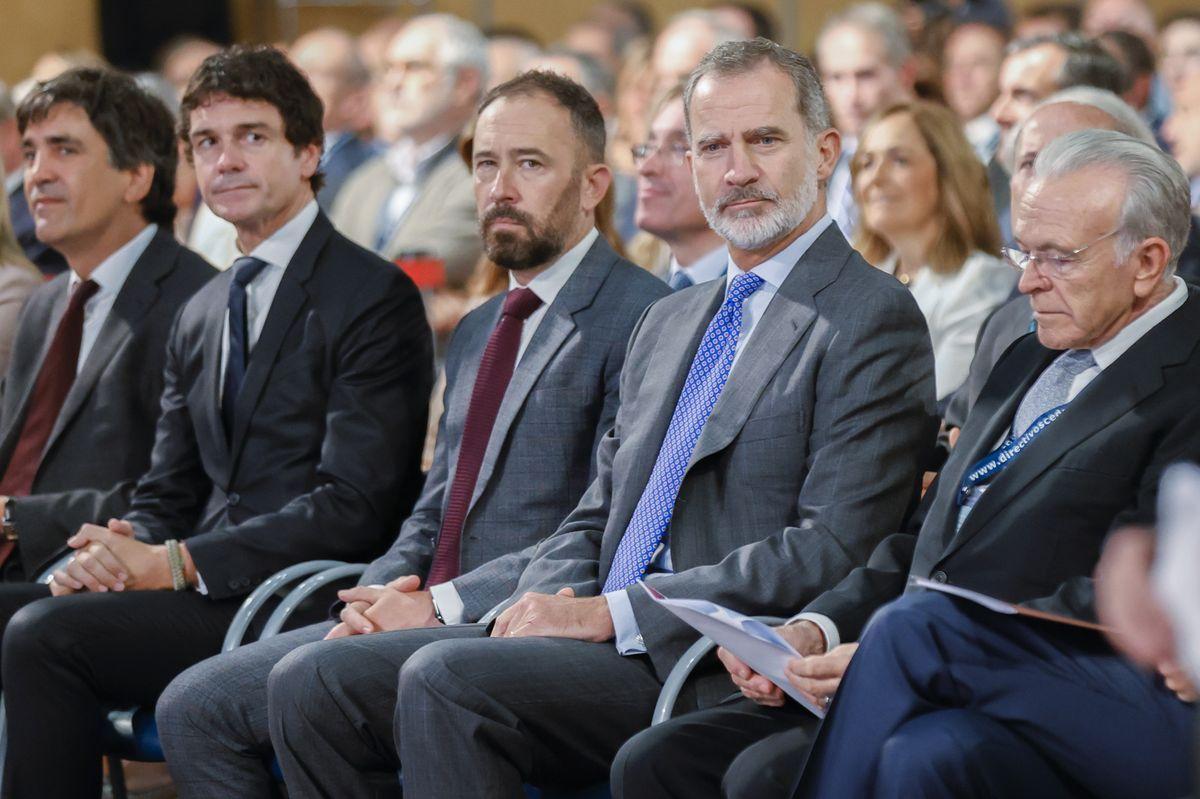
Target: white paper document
x=759 y=646
x=1177 y=561
x=991 y=603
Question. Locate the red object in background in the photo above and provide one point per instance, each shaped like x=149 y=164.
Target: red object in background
x=425 y=270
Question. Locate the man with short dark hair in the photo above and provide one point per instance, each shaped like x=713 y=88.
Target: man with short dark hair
x=292 y=418
x=768 y=426
x=531 y=389
x=76 y=433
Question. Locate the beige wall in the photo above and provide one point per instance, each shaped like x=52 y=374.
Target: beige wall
x=29 y=28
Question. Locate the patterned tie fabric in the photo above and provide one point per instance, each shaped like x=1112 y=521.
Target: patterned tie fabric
x=705 y=381
x=1050 y=390
x=495 y=371
x=680 y=280
x=54 y=381
x=244 y=271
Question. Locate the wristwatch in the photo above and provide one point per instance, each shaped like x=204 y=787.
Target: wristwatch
x=8 y=531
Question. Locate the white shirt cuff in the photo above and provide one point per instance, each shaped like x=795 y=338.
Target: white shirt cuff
x=627 y=633
x=201 y=588
x=448 y=602
x=828 y=628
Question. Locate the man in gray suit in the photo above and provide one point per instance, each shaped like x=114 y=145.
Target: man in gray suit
x=512 y=459
x=769 y=433
x=72 y=456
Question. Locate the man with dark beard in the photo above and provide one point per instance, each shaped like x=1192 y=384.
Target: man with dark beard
x=770 y=430
x=531 y=387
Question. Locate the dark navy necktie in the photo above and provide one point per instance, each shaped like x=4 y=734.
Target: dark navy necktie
x=244 y=270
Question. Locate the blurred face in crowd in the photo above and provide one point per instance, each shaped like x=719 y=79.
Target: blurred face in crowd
x=507 y=56
x=1179 y=59
x=1101 y=16
x=325 y=57
x=417 y=90
x=1026 y=78
x=667 y=205
x=249 y=173
x=76 y=196
x=1044 y=126
x=755 y=163
x=857 y=76
x=679 y=49
x=1182 y=128
x=1088 y=301
x=897 y=180
x=971 y=72
x=1041 y=25
x=535 y=193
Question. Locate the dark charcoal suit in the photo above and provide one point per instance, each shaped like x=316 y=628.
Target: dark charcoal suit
x=322 y=461
x=541 y=456
x=101 y=442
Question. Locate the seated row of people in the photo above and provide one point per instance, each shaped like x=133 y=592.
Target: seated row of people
x=754 y=440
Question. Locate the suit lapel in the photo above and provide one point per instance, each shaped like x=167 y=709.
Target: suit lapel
x=290 y=298
x=132 y=303
x=785 y=321
x=210 y=377
x=17 y=405
x=555 y=328
x=1136 y=375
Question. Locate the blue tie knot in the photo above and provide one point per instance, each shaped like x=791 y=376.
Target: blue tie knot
x=741 y=287
x=245 y=269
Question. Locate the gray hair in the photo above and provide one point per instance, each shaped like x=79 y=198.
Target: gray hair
x=1125 y=119
x=461 y=46
x=1157 y=197
x=879 y=19
x=735 y=58
x=1087 y=63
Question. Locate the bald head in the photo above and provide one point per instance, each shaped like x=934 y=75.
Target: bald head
x=684 y=42
x=331 y=60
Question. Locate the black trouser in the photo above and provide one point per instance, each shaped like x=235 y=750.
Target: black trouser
x=736 y=749
x=66 y=658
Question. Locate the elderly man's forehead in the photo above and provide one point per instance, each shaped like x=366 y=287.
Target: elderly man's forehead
x=1084 y=199
x=1049 y=122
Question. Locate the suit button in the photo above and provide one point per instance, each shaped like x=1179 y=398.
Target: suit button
x=939 y=577
x=232 y=499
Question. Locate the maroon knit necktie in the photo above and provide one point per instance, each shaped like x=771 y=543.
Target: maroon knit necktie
x=49 y=392
x=495 y=370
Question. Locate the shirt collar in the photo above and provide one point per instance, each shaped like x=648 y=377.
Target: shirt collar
x=775 y=269
x=280 y=247
x=1126 y=337
x=13 y=180
x=112 y=272
x=408 y=160
x=549 y=283
x=709 y=266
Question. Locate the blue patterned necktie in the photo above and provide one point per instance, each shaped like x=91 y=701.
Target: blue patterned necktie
x=244 y=270
x=705 y=380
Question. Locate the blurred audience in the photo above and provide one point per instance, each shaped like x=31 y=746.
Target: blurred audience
x=1136 y=57
x=1182 y=134
x=1048 y=19
x=18 y=279
x=749 y=20
x=415 y=199
x=330 y=59
x=667 y=206
x=685 y=39
x=179 y=58
x=48 y=260
x=1179 y=52
x=509 y=50
x=865 y=62
x=971 y=82
x=1132 y=16
x=927 y=218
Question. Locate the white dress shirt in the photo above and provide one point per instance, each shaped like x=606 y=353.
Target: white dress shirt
x=840 y=197
x=983 y=132
x=773 y=271
x=709 y=266
x=110 y=276
x=546 y=286
x=955 y=306
x=1105 y=356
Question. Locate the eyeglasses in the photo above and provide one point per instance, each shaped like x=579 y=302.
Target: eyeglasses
x=675 y=152
x=1058 y=264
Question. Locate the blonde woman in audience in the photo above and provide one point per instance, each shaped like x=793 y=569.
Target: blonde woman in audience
x=18 y=279
x=927 y=218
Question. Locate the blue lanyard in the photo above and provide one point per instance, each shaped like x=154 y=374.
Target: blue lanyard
x=986 y=469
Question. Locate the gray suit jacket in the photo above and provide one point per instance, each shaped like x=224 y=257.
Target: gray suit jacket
x=101 y=441
x=440 y=220
x=808 y=458
x=541 y=455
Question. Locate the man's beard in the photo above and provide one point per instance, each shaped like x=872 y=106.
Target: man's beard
x=542 y=243
x=748 y=230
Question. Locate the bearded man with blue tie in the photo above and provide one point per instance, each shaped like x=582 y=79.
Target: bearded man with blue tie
x=770 y=429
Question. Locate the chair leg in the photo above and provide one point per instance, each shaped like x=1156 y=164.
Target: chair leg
x=116 y=777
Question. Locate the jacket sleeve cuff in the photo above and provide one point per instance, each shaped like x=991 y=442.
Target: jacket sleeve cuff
x=828 y=628
x=448 y=603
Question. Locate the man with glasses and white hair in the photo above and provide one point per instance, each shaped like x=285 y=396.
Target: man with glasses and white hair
x=417 y=196
x=947 y=698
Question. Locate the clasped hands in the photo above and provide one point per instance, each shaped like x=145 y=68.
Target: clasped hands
x=110 y=559
x=399 y=605
x=816 y=675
